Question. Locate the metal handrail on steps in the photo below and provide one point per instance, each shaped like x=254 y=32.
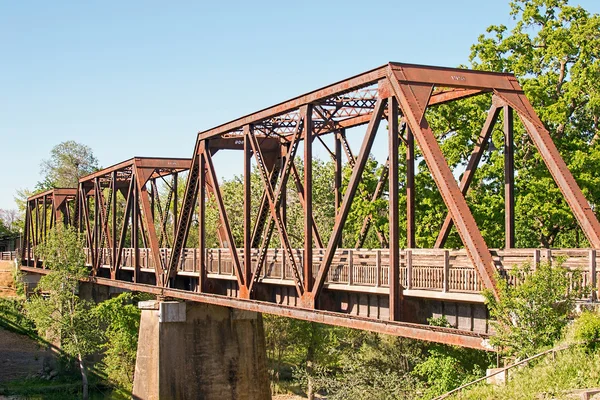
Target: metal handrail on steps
x=553 y=350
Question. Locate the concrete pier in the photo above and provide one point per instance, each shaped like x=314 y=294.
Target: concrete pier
x=200 y=351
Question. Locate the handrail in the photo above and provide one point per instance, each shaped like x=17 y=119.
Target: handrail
x=553 y=350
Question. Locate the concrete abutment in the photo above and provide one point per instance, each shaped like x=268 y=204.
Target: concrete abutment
x=192 y=350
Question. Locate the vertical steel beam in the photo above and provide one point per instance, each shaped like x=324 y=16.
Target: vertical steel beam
x=80 y=200
x=97 y=227
x=509 y=179
x=247 y=207
x=394 y=249
x=337 y=182
x=410 y=189
x=175 y=201
x=45 y=210
x=283 y=205
x=114 y=222
x=308 y=204
x=25 y=238
x=135 y=230
x=153 y=194
x=201 y=195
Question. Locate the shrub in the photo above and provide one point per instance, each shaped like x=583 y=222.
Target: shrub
x=531 y=315
x=587 y=329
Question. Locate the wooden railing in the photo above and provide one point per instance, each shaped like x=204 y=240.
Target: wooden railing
x=8 y=255
x=420 y=269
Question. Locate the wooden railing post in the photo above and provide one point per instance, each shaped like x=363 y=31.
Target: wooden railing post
x=446 y=271
x=536 y=258
x=265 y=269
x=195 y=260
x=378 y=268
x=592 y=262
x=219 y=261
x=284 y=256
x=350 y=267
x=409 y=269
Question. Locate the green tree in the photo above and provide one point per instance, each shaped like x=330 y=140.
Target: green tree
x=58 y=312
x=554 y=50
x=532 y=314
x=68 y=162
x=121 y=317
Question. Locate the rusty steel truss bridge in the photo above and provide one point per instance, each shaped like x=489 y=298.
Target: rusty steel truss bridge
x=137 y=241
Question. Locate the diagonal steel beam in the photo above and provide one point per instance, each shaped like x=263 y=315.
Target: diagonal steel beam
x=558 y=169
x=141 y=177
x=413 y=100
x=188 y=205
x=274 y=209
x=125 y=223
x=340 y=219
x=467 y=178
x=224 y=220
x=279 y=190
x=300 y=190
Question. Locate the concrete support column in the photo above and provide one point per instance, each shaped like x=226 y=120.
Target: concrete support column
x=94 y=292
x=200 y=351
x=30 y=282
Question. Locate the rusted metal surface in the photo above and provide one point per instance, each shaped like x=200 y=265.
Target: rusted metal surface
x=58 y=205
x=414 y=331
x=140 y=234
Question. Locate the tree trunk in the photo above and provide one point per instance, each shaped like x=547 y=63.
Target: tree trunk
x=310 y=393
x=310 y=355
x=84 y=379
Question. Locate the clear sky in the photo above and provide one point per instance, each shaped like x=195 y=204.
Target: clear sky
x=141 y=78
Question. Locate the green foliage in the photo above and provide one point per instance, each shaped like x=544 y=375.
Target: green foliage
x=553 y=51
x=447 y=367
x=121 y=318
x=587 y=329
x=549 y=378
x=58 y=312
x=13 y=318
x=18 y=283
x=68 y=162
x=532 y=314
x=376 y=367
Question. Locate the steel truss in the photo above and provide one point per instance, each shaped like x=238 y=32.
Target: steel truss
x=401 y=93
x=397 y=93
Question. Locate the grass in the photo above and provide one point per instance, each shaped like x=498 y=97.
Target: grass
x=37 y=388
x=548 y=378
x=12 y=318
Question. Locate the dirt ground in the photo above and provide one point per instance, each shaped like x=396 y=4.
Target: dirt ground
x=20 y=356
x=6 y=280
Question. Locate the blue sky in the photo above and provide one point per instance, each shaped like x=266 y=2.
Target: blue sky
x=141 y=78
